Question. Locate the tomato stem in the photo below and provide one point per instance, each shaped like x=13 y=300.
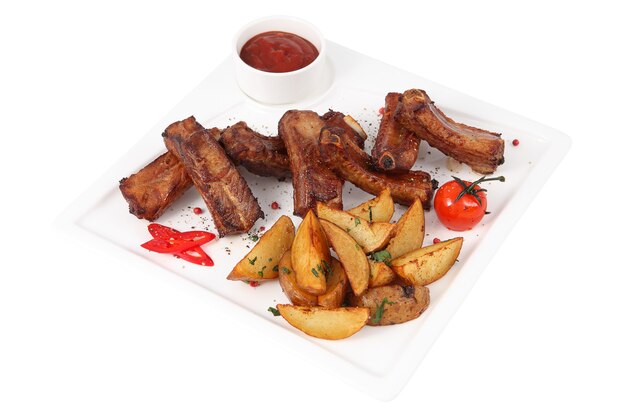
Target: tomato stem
x=469 y=189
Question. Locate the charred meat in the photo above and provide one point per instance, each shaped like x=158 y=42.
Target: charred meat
x=259 y=154
x=396 y=147
x=482 y=150
x=312 y=180
x=354 y=165
x=354 y=131
x=155 y=187
x=227 y=196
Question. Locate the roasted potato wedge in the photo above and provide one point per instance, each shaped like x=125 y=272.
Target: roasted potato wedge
x=336 y=286
x=380 y=274
x=351 y=256
x=355 y=126
x=310 y=255
x=393 y=304
x=409 y=231
x=379 y=209
x=370 y=236
x=287 y=280
x=426 y=265
x=325 y=323
x=261 y=263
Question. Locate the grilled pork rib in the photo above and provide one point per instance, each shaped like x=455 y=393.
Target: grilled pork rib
x=396 y=147
x=312 y=180
x=482 y=150
x=155 y=187
x=225 y=192
x=354 y=165
x=259 y=154
x=338 y=119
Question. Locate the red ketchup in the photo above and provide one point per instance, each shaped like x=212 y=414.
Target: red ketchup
x=278 y=52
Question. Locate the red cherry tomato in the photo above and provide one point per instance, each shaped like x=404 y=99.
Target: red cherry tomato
x=461 y=205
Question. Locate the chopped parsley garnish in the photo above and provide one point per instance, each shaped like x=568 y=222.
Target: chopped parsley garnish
x=261 y=271
x=273 y=311
x=254 y=238
x=286 y=270
x=252 y=261
x=382 y=256
x=275 y=269
x=315 y=272
x=370 y=210
x=380 y=308
x=357 y=221
x=327 y=269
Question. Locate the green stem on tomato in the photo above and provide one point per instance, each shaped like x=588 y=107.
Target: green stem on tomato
x=469 y=189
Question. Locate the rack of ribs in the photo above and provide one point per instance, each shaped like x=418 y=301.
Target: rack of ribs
x=354 y=165
x=259 y=154
x=155 y=187
x=225 y=192
x=482 y=150
x=396 y=147
x=312 y=180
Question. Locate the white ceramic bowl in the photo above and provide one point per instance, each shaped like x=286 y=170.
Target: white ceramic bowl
x=284 y=87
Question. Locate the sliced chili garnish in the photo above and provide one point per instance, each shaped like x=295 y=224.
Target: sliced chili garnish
x=185 y=245
x=158 y=231
x=197 y=234
x=174 y=245
x=196 y=256
x=168 y=246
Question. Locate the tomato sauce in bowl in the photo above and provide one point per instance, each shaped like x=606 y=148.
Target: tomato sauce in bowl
x=278 y=51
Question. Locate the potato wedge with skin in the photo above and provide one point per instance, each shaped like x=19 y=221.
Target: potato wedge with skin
x=380 y=274
x=336 y=286
x=350 y=255
x=261 y=263
x=310 y=255
x=393 y=304
x=409 y=231
x=325 y=323
x=379 y=209
x=287 y=280
x=370 y=236
x=426 y=265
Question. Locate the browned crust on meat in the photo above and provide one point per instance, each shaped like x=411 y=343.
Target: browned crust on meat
x=354 y=165
x=336 y=119
x=225 y=192
x=482 y=150
x=259 y=154
x=312 y=180
x=155 y=187
x=396 y=148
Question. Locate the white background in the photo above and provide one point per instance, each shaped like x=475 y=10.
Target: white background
x=83 y=334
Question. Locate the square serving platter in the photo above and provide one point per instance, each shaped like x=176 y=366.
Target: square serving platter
x=356 y=85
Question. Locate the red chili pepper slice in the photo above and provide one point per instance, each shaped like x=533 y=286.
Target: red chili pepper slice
x=196 y=256
x=168 y=246
x=158 y=231
x=197 y=234
x=185 y=245
x=168 y=240
x=174 y=245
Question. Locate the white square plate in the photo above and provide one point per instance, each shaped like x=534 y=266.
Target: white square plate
x=378 y=360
